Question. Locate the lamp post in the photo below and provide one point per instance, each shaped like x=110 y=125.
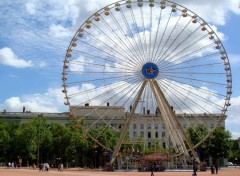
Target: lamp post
x=58 y=162
x=239 y=145
x=38 y=142
x=105 y=153
x=95 y=158
x=127 y=158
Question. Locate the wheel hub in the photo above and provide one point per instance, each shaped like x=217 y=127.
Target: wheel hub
x=150 y=70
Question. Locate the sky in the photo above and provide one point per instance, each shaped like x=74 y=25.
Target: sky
x=34 y=36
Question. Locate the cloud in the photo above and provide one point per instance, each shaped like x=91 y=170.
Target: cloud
x=7 y=57
x=233 y=118
x=31 y=8
x=213 y=11
x=50 y=101
x=235 y=134
x=59 y=31
x=234 y=59
x=234 y=111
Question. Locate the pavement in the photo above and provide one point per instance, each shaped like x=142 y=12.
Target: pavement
x=80 y=172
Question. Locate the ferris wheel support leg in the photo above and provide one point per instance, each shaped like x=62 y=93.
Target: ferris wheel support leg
x=170 y=123
x=126 y=127
x=174 y=117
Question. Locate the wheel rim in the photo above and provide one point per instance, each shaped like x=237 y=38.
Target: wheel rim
x=110 y=55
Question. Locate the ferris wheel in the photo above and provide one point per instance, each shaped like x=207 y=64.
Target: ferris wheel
x=148 y=63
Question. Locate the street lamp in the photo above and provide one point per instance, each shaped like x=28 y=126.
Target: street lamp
x=95 y=158
x=105 y=153
x=239 y=145
x=127 y=158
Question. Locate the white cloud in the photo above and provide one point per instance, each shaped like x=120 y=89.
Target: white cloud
x=59 y=31
x=234 y=59
x=77 y=65
x=213 y=11
x=233 y=118
x=8 y=57
x=50 y=101
x=234 y=111
x=31 y=8
x=235 y=134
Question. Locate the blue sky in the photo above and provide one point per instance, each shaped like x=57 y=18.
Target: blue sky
x=34 y=36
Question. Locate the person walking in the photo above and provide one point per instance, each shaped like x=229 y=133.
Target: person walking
x=212 y=170
x=153 y=168
x=216 y=168
x=195 y=168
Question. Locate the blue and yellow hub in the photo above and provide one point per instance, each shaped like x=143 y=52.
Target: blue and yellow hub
x=150 y=70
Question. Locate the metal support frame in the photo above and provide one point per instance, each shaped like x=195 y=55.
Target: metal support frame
x=126 y=127
x=173 y=121
x=176 y=132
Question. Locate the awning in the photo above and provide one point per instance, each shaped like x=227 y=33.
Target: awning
x=156 y=157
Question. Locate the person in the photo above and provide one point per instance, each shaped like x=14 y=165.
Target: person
x=34 y=166
x=46 y=167
x=195 y=168
x=41 y=167
x=153 y=168
x=212 y=169
x=60 y=167
x=216 y=168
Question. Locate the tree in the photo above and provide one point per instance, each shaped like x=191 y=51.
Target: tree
x=24 y=142
x=77 y=146
x=219 y=145
x=31 y=139
x=196 y=134
x=234 y=155
x=5 y=140
x=61 y=137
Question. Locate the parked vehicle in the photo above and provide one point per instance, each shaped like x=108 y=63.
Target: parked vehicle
x=230 y=164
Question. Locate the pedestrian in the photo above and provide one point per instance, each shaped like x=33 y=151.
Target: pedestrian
x=60 y=167
x=195 y=167
x=212 y=169
x=216 y=168
x=153 y=168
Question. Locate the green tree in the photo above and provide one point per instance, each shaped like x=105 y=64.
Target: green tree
x=77 y=145
x=234 y=155
x=219 y=145
x=24 y=142
x=197 y=133
x=5 y=140
x=31 y=139
x=61 y=137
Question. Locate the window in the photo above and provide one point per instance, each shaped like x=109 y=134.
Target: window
x=134 y=134
x=212 y=125
x=156 y=126
x=149 y=134
x=184 y=126
x=142 y=134
x=164 y=145
x=163 y=134
x=142 y=126
x=149 y=126
x=156 y=134
x=149 y=144
x=134 y=126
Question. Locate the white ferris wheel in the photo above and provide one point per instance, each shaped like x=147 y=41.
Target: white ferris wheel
x=151 y=59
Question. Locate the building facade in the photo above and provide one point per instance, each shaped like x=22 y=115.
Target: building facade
x=147 y=127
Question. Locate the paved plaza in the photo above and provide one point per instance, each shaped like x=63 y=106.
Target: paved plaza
x=78 y=172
